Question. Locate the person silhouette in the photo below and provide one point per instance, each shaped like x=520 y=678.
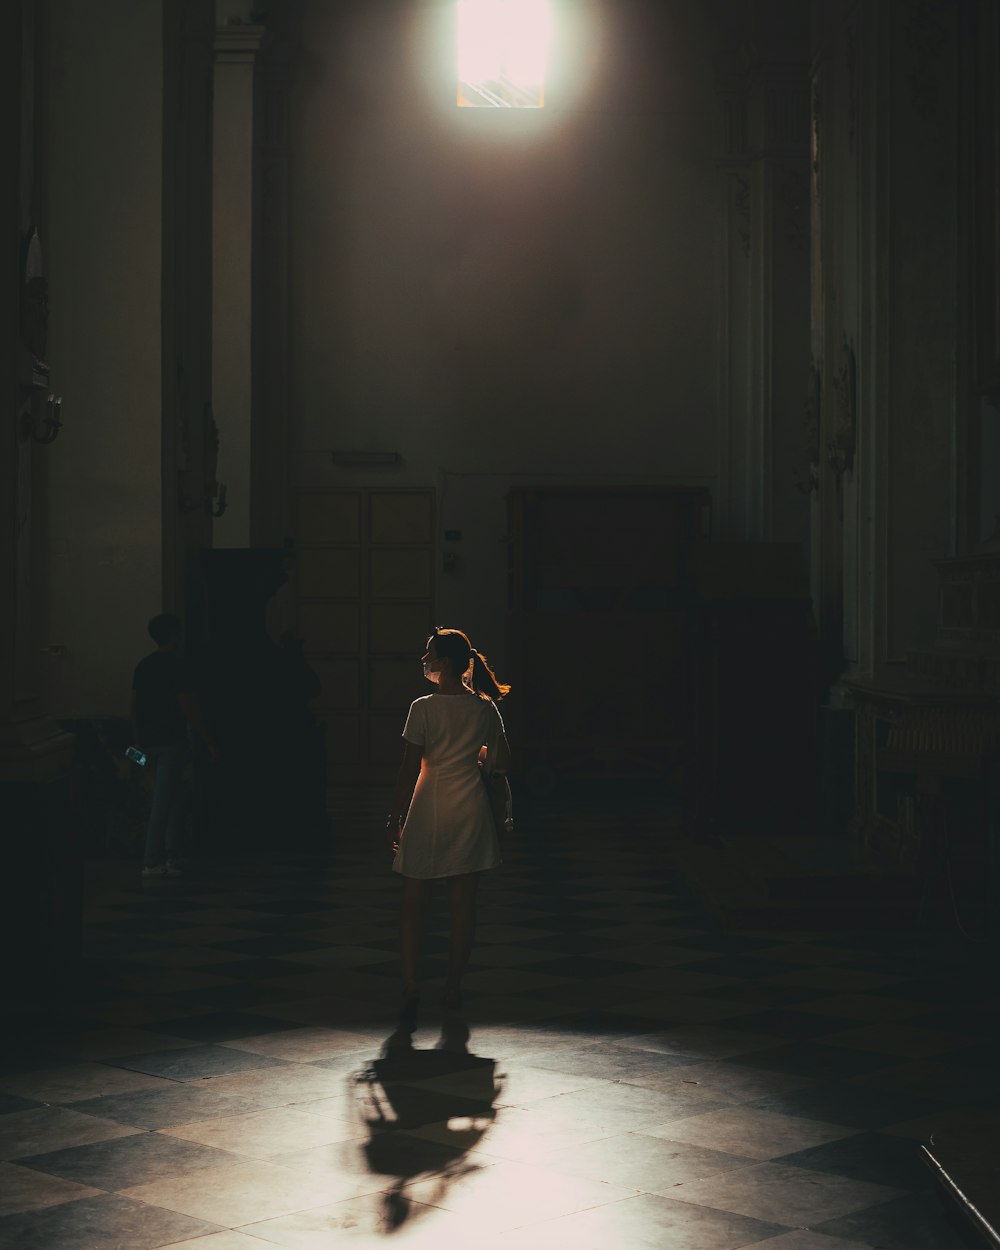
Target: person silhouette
x=441 y=824
x=165 y=711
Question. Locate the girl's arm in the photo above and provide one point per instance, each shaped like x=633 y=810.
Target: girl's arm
x=406 y=779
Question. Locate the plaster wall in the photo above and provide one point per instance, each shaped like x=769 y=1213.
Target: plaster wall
x=99 y=560
x=504 y=296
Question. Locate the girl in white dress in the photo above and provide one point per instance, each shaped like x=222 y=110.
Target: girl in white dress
x=441 y=824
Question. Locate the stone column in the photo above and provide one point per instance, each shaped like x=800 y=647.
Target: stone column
x=32 y=748
x=237 y=45
x=765 y=296
x=40 y=888
x=886 y=319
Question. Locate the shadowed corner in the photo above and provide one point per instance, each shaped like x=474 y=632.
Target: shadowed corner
x=425 y=1109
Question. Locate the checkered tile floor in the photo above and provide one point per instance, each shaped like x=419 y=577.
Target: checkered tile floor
x=623 y=1075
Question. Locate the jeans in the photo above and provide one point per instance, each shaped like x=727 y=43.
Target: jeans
x=171 y=799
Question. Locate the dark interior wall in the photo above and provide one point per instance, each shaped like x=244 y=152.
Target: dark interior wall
x=506 y=291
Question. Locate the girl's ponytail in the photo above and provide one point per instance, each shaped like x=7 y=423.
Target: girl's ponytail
x=484 y=681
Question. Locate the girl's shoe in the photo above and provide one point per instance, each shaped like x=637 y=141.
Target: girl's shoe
x=155 y=870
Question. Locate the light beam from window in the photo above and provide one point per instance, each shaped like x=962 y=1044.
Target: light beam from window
x=503 y=48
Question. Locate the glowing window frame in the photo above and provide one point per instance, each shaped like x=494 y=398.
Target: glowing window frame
x=502 y=52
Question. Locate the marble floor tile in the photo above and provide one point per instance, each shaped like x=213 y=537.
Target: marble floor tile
x=505 y=1194
x=23 y=1189
x=804 y=1239
x=126 y=1161
x=287 y=1084
x=621 y=1050
x=878 y=1157
x=371 y=1164
x=110 y=1220
x=916 y=1222
x=262 y=1134
x=520 y=1135
x=229 y=1240
x=368 y=1222
x=48 y=1128
x=751 y=1132
x=73 y=1082
x=701 y=1041
x=196 y=1063
x=645 y=1162
x=178 y=1103
x=646 y=1222
x=303 y=1045
x=782 y=1194
x=726 y=1081
x=234 y=1194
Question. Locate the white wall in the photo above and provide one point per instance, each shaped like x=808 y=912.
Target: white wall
x=100 y=493
x=502 y=296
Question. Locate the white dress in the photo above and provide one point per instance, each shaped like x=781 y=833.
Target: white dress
x=449 y=828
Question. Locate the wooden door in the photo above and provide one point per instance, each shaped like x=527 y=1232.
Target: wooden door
x=364 y=589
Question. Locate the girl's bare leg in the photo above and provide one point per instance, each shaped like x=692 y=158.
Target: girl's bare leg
x=462 y=901
x=416 y=896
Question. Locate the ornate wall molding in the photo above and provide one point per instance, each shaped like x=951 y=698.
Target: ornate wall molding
x=786 y=118
x=841 y=445
x=793 y=199
x=739 y=199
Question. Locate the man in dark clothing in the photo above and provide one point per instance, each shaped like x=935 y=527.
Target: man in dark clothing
x=165 y=711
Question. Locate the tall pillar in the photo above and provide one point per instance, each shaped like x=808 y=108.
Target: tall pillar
x=189 y=436
x=888 y=328
x=40 y=888
x=32 y=748
x=765 y=297
x=237 y=45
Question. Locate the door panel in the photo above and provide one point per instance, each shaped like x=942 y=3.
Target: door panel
x=406 y=517
x=329 y=573
x=364 y=587
x=330 y=518
x=392 y=627
x=330 y=628
x=399 y=573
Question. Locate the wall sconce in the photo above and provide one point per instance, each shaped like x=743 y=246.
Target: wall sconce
x=42 y=422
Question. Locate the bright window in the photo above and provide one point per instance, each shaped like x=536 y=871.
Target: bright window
x=503 y=48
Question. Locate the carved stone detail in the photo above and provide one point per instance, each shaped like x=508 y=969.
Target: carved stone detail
x=735 y=107
x=811 y=416
x=785 y=118
x=793 y=196
x=740 y=199
x=815 y=133
x=840 y=448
